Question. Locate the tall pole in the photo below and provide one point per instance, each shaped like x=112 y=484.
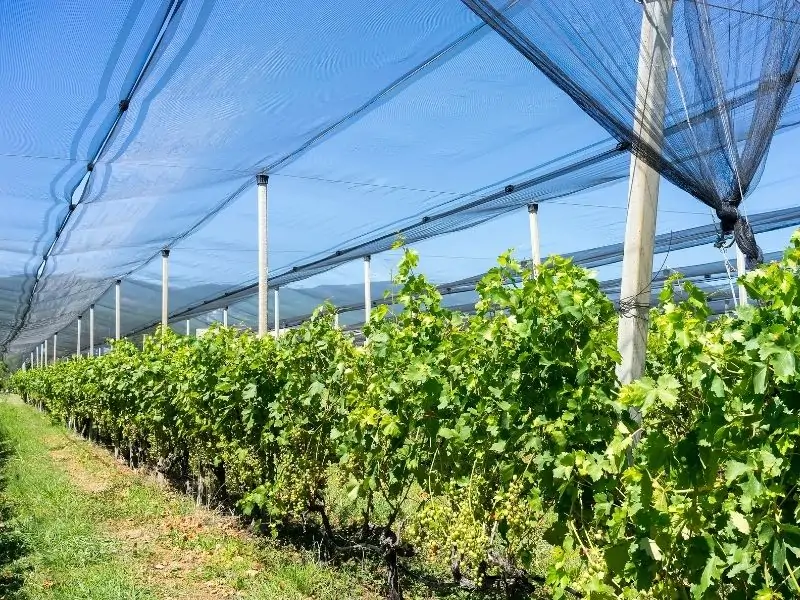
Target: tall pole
x=44 y=353
x=37 y=356
x=118 y=309
x=32 y=363
x=91 y=330
x=78 y=350
x=225 y=317
x=637 y=263
x=263 y=265
x=277 y=310
x=741 y=270
x=55 y=345
x=164 y=289
x=533 y=220
x=367 y=289
x=188 y=327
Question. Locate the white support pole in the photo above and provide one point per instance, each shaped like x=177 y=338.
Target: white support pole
x=32 y=363
x=78 y=351
x=225 y=317
x=118 y=309
x=164 y=289
x=55 y=346
x=533 y=220
x=637 y=264
x=91 y=330
x=277 y=313
x=44 y=353
x=263 y=264
x=37 y=356
x=741 y=270
x=367 y=289
x=188 y=327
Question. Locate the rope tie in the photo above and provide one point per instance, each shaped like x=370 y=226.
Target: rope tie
x=733 y=223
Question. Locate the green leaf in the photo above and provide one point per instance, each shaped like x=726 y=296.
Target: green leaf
x=734 y=470
x=718 y=387
x=249 y=392
x=651 y=548
x=782 y=361
x=446 y=433
x=739 y=522
x=778 y=555
x=316 y=388
x=707 y=578
x=499 y=446
x=760 y=380
x=616 y=557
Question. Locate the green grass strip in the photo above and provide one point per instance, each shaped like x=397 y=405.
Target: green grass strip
x=68 y=512
x=67 y=555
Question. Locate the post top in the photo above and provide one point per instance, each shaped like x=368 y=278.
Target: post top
x=118 y=281
x=262 y=179
x=533 y=208
x=165 y=252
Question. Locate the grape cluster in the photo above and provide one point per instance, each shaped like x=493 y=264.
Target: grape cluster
x=298 y=479
x=468 y=523
x=454 y=525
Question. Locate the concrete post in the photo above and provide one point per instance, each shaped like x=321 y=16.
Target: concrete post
x=164 y=289
x=367 y=288
x=741 y=270
x=263 y=256
x=118 y=309
x=637 y=265
x=533 y=222
x=277 y=313
x=91 y=330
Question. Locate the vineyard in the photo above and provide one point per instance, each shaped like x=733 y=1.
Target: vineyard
x=466 y=438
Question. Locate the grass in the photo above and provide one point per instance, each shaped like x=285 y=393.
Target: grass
x=68 y=555
x=82 y=526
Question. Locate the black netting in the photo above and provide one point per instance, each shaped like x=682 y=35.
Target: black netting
x=713 y=48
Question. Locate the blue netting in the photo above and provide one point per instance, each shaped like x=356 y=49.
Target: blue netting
x=137 y=126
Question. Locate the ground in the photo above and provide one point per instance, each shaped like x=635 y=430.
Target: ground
x=91 y=528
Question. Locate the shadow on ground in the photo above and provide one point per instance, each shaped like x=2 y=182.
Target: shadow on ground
x=417 y=577
x=12 y=545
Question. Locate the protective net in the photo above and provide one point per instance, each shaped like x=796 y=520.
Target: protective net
x=417 y=120
x=713 y=49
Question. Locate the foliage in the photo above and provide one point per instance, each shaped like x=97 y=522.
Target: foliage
x=708 y=506
x=483 y=432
